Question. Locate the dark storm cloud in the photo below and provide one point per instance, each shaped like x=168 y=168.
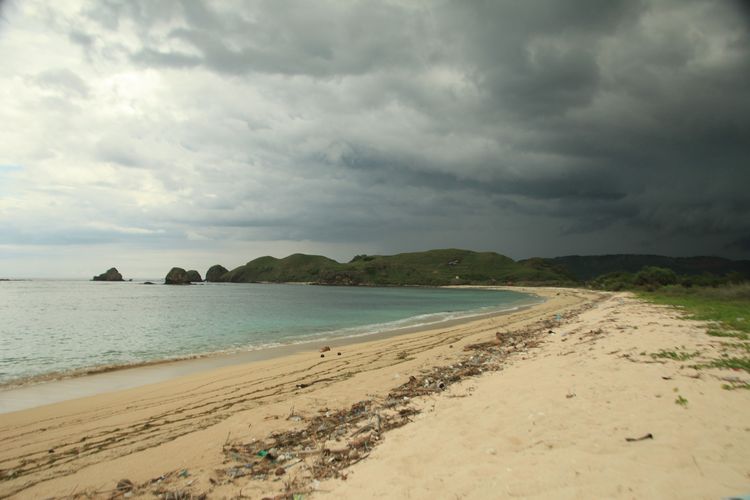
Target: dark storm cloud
x=587 y=116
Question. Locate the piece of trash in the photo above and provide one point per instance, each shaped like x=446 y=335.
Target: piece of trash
x=124 y=485
x=262 y=453
x=440 y=385
x=570 y=395
x=666 y=378
x=338 y=354
x=642 y=438
x=184 y=473
x=322 y=355
x=550 y=332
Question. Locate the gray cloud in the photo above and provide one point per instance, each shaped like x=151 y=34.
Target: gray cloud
x=524 y=127
x=64 y=81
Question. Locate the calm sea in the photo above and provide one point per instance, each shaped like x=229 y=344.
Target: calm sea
x=49 y=327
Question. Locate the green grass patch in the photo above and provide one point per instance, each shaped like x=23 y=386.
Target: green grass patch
x=728 y=333
x=731 y=386
x=675 y=355
x=731 y=363
x=729 y=306
x=738 y=346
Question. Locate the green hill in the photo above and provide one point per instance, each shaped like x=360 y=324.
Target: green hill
x=294 y=268
x=434 y=267
x=454 y=266
x=588 y=267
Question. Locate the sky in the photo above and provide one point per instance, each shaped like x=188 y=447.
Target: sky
x=146 y=135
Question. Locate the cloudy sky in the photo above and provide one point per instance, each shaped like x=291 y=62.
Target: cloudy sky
x=146 y=134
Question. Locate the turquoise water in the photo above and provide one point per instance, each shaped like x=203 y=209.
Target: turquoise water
x=49 y=327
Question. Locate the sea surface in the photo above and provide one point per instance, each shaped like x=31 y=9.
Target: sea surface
x=57 y=328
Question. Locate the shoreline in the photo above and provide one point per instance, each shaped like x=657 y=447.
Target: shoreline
x=562 y=402
x=144 y=429
x=42 y=389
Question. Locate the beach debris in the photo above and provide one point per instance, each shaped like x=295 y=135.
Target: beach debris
x=124 y=485
x=325 y=349
x=322 y=355
x=338 y=354
x=570 y=395
x=331 y=441
x=642 y=438
x=293 y=416
x=182 y=495
x=184 y=473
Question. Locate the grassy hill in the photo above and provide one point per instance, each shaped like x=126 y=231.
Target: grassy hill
x=453 y=266
x=588 y=267
x=294 y=268
x=434 y=267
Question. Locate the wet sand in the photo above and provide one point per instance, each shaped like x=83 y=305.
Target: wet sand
x=509 y=433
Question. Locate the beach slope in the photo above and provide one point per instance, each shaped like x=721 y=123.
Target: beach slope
x=547 y=414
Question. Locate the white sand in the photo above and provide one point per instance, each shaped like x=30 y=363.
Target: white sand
x=552 y=424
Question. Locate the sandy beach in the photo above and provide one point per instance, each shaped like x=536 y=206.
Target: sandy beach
x=545 y=415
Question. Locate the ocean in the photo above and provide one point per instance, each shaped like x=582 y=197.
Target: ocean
x=57 y=328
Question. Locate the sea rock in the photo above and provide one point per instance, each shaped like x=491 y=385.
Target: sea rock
x=215 y=273
x=111 y=275
x=176 y=276
x=194 y=276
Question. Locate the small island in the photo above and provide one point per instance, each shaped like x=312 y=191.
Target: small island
x=178 y=276
x=111 y=275
x=215 y=273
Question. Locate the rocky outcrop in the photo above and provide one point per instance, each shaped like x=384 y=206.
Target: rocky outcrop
x=111 y=275
x=177 y=276
x=194 y=276
x=215 y=273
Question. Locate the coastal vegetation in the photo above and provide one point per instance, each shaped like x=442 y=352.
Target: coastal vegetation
x=458 y=267
x=430 y=268
x=727 y=308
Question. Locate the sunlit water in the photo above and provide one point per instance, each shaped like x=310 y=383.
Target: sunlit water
x=51 y=327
